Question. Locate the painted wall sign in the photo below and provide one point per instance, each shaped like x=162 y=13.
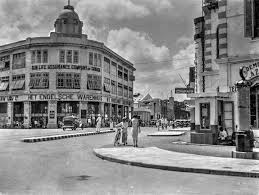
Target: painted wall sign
x=249 y=72
x=9 y=98
x=184 y=90
x=64 y=96
x=64 y=66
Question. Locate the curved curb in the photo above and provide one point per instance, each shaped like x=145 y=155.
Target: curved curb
x=179 y=169
x=161 y=135
x=56 y=137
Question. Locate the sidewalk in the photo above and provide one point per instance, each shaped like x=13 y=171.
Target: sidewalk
x=153 y=157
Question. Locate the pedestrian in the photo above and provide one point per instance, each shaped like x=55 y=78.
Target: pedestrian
x=135 y=130
x=124 y=126
x=157 y=125
x=98 y=123
x=162 y=123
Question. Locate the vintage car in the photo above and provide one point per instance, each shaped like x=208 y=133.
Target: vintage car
x=72 y=122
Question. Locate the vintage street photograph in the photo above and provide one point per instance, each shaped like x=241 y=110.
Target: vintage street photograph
x=129 y=97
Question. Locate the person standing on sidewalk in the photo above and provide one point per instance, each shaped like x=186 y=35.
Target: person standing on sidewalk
x=98 y=123
x=135 y=130
x=124 y=126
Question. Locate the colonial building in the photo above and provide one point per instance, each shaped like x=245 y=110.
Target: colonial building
x=44 y=79
x=227 y=61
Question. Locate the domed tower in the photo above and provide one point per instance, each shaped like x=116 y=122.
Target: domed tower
x=68 y=22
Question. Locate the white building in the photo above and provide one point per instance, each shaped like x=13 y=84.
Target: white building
x=227 y=40
x=46 y=78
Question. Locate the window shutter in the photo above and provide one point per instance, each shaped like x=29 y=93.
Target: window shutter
x=248 y=18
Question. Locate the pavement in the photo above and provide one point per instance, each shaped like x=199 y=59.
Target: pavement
x=178 y=154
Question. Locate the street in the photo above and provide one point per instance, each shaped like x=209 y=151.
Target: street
x=69 y=166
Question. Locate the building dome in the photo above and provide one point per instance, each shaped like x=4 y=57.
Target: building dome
x=68 y=13
x=68 y=22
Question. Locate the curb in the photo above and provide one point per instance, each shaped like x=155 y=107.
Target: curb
x=180 y=169
x=153 y=135
x=56 y=137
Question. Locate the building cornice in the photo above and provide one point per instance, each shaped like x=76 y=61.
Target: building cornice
x=55 y=41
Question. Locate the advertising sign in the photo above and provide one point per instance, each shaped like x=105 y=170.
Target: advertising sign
x=184 y=90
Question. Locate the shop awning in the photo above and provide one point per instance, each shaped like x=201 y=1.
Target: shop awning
x=3 y=86
x=18 y=84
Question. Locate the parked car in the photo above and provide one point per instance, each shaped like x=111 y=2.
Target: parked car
x=72 y=122
x=182 y=123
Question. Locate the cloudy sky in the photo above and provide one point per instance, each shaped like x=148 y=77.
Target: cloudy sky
x=155 y=35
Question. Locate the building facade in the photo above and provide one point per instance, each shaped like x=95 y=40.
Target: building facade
x=44 y=79
x=226 y=66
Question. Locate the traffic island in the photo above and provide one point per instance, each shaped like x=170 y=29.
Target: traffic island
x=64 y=136
x=156 y=158
x=167 y=133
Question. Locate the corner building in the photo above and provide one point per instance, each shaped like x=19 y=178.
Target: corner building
x=44 y=79
x=227 y=68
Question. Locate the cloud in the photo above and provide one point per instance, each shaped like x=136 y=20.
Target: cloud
x=157 y=70
x=157 y=6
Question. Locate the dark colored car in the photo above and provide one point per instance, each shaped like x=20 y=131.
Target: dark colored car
x=72 y=122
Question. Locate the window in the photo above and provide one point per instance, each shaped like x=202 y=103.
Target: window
x=91 y=58
x=120 y=90
x=251 y=18
x=38 y=56
x=130 y=92
x=113 y=87
x=4 y=83
x=203 y=84
x=45 y=56
x=62 y=56
x=18 y=82
x=125 y=91
x=4 y=63
x=106 y=85
x=99 y=61
x=3 y=108
x=106 y=65
x=217 y=42
x=76 y=57
x=125 y=76
x=205 y=115
x=33 y=56
x=39 y=80
x=68 y=81
x=120 y=74
x=94 y=82
x=113 y=69
x=95 y=59
x=19 y=60
x=69 y=56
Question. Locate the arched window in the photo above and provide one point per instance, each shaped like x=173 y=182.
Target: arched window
x=217 y=42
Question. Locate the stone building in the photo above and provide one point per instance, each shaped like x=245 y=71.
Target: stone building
x=44 y=79
x=226 y=66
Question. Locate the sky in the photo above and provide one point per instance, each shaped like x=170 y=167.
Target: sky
x=155 y=35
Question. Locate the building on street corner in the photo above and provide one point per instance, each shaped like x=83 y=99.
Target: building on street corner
x=43 y=79
x=226 y=67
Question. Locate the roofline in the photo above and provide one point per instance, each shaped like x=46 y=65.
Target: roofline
x=41 y=41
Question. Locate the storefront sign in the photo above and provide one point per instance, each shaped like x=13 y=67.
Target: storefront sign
x=64 y=96
x=9 y=98
x=52 y=114
x=64 y=66
x=233 y=89
x=249 y=72
x=184 y=90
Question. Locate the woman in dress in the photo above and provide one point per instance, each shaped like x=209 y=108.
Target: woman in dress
x=98 y=123
x=124 y=126
x=135 y=130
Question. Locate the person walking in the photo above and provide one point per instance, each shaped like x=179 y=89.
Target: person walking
x=98 y=123
x=135 y=130
x=124 y=126
x=158 y=124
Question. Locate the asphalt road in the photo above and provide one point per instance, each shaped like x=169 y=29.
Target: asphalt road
x=68 y=166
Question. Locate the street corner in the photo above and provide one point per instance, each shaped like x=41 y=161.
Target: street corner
x=167 y=133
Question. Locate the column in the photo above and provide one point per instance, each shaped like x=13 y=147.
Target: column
x=27 y=114
x=52 y=114
x=243 y=103
x=10 y=113
x=110 y=111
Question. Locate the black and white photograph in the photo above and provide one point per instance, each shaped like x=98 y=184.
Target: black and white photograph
x=129 y=97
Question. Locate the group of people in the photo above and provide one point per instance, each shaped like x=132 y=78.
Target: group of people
x=122 y=131
x=163 y=123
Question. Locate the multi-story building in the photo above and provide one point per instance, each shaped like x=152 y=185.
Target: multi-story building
x=227 y=59
x=46 y=78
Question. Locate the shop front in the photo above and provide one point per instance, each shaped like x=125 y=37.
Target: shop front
x=39 y=114
x=18 y=114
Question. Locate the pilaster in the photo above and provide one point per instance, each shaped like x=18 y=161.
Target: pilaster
x=52 y=114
